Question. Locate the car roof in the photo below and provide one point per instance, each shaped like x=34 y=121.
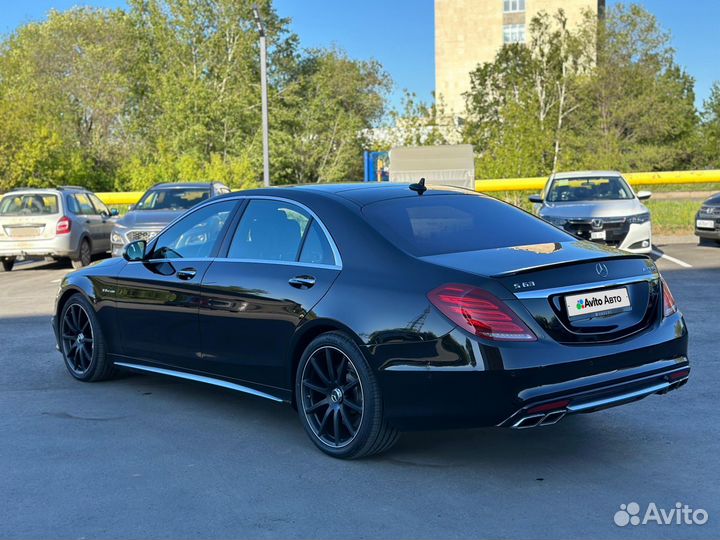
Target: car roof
x=184 y=184
x=583 y=174
x=53 y=190
x=360 y=193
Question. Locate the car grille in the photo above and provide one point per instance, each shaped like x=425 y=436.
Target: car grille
x=134 y=236
x=616 y=229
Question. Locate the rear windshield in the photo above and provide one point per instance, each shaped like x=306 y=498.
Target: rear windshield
x=172 y=198
x=437 y=224
x=29 y=204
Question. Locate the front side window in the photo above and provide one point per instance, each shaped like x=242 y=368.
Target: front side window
x=513 y=33
x=270 y=231
x=29 y=204
x=195 y=235
x=439 y=224
x=172 y=198
x=591 y=188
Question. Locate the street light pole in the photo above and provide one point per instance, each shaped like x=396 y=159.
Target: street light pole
x=263 y=84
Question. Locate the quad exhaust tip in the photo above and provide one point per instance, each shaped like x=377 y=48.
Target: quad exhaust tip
x=541 y=419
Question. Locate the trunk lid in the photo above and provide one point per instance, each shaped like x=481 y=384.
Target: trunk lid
x=542 y=276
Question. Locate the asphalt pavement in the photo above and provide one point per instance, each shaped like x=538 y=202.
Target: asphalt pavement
x=146 y=456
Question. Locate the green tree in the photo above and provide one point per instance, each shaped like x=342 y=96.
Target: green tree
x=66 y=87
x=518 y=105
x=637 y=110
x=321 y=116
x=710 y=130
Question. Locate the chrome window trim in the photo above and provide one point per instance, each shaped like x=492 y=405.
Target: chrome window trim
x=286 y=263
x=545 y=293
x=200 y=378
x=336 y=253
x=233 y=260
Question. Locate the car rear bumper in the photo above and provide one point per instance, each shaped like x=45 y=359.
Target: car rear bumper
x=43 y=247
x=470 y=385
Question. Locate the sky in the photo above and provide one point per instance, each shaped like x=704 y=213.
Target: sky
x=400 y=33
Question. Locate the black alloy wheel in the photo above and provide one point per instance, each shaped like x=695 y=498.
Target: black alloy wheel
x=81 y=341
x=338 y=399
x=332 y=396
x=77 y=339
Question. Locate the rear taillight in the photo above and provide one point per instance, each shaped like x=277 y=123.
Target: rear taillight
x=669 y=305
x=63 y=225
x=479 y=312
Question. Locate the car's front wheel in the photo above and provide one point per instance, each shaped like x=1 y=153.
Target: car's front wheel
x=82 y=343
x=339 y=400
x=8 y=263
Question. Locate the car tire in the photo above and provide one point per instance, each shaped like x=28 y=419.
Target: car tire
x=339 y=401
x=8 y=263
x=84 y=255
x=81 y=341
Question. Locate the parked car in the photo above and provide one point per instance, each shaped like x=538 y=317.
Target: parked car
x=160 y=205
x=707 y=220
x=69 y=221
x=599 y=206
x=380 y=308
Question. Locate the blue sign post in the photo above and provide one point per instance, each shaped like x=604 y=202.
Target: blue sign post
x=377 y=166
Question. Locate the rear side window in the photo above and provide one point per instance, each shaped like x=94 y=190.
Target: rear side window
x=316 y=248
x=29 y=204
x=437 y=224
x=269 y=231
x=83 y=206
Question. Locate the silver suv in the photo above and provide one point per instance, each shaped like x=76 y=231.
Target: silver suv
x=159 y=206
x=69 y=221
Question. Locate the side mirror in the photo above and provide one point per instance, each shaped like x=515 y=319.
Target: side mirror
x=536 y=199
x=114 y=212
x=644 y=195
x=135 y=251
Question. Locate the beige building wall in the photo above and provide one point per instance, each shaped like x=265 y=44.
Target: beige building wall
x=470 y=32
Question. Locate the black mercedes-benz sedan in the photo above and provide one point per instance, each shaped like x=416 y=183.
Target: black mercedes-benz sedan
x=375 y=309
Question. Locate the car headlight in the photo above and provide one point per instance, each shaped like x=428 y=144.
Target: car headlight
x=116 y=237
x=639 y=218
x=557 y=221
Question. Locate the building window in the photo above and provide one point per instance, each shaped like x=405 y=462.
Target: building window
x=513 y=6
x=513 y=33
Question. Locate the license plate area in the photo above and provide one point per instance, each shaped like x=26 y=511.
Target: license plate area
x=598 y=235
x=705 y=224
x=592 y=304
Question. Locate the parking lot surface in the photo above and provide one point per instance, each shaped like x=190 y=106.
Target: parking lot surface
x=146 y=456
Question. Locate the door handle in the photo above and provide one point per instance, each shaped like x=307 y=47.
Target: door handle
x=302 y=282
x=186 y=273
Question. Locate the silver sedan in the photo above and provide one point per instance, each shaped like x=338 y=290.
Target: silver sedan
x=599 y=206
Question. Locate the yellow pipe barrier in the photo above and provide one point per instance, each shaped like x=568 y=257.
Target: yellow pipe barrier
x=640 y=178
x=509 y=184
x=120 y=197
